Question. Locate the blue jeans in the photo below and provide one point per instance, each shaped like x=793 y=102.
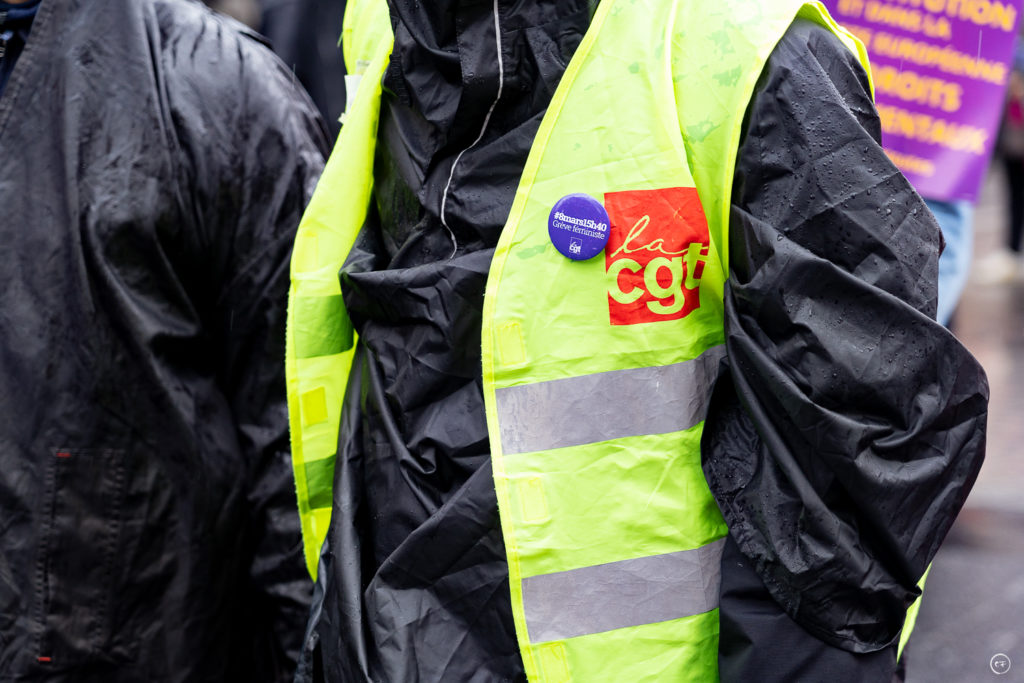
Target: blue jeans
x=955 y=220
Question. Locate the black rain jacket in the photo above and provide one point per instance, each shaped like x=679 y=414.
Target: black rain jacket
x=843 y=435
x=155 y=163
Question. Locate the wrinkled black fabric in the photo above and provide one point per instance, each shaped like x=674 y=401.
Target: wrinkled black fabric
x=413 y=582
x=441 y=84
x=870 y=417
x=157 y=161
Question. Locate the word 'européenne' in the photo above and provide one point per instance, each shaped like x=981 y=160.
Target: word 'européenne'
x=656 y=254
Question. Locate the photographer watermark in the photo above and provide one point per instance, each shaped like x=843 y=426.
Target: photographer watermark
x=1000 y=664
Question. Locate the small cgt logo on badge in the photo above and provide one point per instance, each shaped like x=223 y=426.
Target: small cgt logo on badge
x=656 y=253
x=1000 y=664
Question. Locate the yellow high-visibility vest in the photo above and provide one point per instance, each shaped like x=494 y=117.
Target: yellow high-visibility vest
x=596 y=373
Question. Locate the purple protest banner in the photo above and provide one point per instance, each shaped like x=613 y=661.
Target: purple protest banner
x=940 y=69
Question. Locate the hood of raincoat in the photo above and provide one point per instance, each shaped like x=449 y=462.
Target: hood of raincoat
x=156 y=163
x=413 y=583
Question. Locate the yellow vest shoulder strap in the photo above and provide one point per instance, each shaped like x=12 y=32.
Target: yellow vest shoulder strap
x=319 y=335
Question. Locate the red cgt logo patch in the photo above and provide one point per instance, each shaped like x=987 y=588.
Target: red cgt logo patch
x=655 y=254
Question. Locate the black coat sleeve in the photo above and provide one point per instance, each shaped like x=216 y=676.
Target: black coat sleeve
x=257 y=149
x=850 y=426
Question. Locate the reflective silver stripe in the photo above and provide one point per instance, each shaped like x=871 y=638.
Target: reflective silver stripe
x=606 y=405
x=605 y=597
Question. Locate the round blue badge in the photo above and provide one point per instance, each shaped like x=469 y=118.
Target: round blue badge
x=578 y=226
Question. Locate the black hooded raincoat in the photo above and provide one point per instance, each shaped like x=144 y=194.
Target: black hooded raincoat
x=156 y=161
x=842 y=439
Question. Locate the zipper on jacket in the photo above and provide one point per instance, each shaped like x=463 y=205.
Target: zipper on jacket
x=483 y=129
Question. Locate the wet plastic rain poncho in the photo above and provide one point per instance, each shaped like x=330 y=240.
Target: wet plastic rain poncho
x=156 y=162
x=842 y=440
